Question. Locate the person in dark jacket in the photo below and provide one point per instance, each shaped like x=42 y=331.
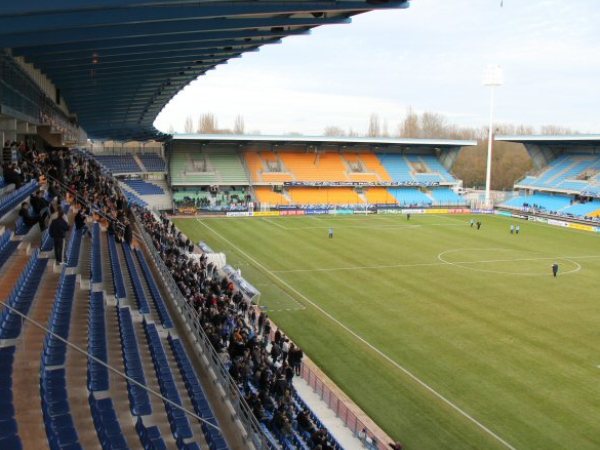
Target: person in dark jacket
x=80 y=219
x=58 y=230
x=128 y=233
x=25 y=214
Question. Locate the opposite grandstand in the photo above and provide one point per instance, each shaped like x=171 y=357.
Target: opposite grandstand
x=566 y=181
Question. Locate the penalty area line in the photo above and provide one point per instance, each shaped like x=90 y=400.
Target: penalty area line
x=407 y=372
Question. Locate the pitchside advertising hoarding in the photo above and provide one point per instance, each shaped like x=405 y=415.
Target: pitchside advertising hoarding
x=554 y=222
x=320 y=211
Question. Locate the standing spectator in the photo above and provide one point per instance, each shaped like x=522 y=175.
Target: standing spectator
x=80 y=219
x=128 y=233
x=58 y=231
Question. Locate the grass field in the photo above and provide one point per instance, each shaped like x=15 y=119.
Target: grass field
x=448 y=337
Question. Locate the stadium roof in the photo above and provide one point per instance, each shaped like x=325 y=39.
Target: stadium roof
x=118 y=62
x=334 y=140
x=553 y=140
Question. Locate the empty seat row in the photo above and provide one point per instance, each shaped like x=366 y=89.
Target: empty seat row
x=150 y=437
x=144 y=188
x=153 y=162
x=107 y=424
x=138 y=290
x=96 y=259
x=97 y=374
x=58 y=421
x=139 y=401
x=7 y=246
x=119 y=163
x=202 y=408
x=178 y=420
x=118 y=282
x=9 y=438
x=55 y=350
x=47 y=243
x=21 y=297
x=159 y=303
x=73 y=248
x=12 y=200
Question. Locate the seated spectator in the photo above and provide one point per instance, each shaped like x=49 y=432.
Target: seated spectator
x=25 y=214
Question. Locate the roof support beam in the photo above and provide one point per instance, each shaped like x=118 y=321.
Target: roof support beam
x=121 y=32
x=33 y=7
x=87 y=55
x=71 y=20
x=149 y=42
x=95 y=60
x=148 y=66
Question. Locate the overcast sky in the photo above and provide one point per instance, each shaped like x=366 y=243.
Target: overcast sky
x=430 y=56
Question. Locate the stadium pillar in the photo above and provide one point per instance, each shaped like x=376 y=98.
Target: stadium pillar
x=492 y=77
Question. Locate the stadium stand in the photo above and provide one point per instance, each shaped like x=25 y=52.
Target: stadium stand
x=410 y=168
x=268 y=196
x=378 y=195
x=325 y=196
x=315 y=167
x=144 y=187
x=446 y=196
x=119 y=163
x=545 y=201
x=569 y=171
x=153 y=162
x=266 y=167
x=410 y=197
x=587 y=209
x=218 y=166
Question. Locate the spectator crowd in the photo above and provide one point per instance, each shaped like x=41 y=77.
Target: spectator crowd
x=261 y=359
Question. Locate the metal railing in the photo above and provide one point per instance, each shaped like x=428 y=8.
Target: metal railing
x=341 y=409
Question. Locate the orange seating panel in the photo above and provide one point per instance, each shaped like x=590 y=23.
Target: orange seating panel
x=255 y=165
x=330 y=196
x=379 y=195
x=307 y=167
x=266 y=195
x=275 y=177
x=357 y=176
x=373 y=164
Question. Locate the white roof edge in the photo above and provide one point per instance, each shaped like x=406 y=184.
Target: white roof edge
x=548 y=138
x=326 y=139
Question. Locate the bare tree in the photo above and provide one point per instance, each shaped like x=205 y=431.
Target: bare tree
x=333 y=130
x=207 y=124
x=239 y=125
x=409 y=127
x=555 y=130
x=374 y=127
x=188 y=126
x=171 y=129
x=433 y=125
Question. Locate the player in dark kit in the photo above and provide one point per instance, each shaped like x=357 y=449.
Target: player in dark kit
x=478 y=224
x=554 y=269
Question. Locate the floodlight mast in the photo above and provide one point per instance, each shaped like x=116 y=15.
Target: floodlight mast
x=492 y=77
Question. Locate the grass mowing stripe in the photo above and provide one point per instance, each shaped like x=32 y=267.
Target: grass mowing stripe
x=363 y=341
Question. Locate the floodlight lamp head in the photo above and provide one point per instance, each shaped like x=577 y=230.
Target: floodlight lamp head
x=492 y=76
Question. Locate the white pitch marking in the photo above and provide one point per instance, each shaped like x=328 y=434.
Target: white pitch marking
x=441 y=263
x=365 y=342
x=273 y=222
x=463 y=264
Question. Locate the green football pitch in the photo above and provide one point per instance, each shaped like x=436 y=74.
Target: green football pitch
x=447 y=336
